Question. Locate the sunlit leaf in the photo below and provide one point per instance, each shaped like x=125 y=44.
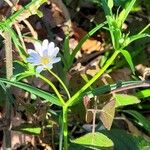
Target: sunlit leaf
x=28 y=129
x=128 y=58
x=124 y=100
x=66 y=53
x=143 y=93
x=125 y=12
x=136 y=37
x=94 y=140
x=110 y=4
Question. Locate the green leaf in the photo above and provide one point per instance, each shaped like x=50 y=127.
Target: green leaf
x=142 y=143
x=7 y=93
x=143 y=93
x=28 y=129
x=120 y=2
x=135 y=37
x=123 y=140
x=4 y=93
x=110 y=4
x=124 y=100
x=108 y=88
x=73 y=146
x=78 y=47
x=140 y=119
x=45 y=95
x=94 y=140
x=66 y=53
x=106 y=7
x=18 y=67
x=125 y=12
x=128 y=58
x=33 y=5
x=22 y=75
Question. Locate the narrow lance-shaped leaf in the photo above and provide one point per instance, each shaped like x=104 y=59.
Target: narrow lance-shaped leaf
x=28 y=128
x=66 y=53
x=77 y=48
x=125 y=12
x=140 y=119
x=135 y=37
x=128 y=58
x=108 y=88
x=45 y=95
x=107 y=7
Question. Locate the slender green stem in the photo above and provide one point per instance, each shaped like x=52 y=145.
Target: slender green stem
x=65 y=127
x=53 y=87
x=61 y=82
x=144 y=29
x=76 y=95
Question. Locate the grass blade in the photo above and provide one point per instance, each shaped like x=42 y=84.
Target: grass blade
x=45 y=95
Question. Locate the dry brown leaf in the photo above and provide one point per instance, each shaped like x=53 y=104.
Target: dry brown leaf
x=143 y=70
x=121 y=74
x=57 y=15
x=90 y=45
x=134 y=130
x=4 y=11
x=61 y=16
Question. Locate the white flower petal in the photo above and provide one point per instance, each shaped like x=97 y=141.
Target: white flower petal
x=39 y=69
x=55 y=60
x=54 y=52
x=51 y=45
x=45 y=44
x=51 y=48
x=38 y=47
x=31 y=51
x=34 y=61
x=34 y=57
x=49 y=66
x=34 y=54
x=45 y=53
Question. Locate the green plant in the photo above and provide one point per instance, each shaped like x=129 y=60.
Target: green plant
x=119 y=41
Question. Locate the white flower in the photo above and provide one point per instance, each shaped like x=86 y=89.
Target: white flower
x=44 y=55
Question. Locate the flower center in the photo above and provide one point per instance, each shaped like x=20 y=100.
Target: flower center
x=44 y=60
